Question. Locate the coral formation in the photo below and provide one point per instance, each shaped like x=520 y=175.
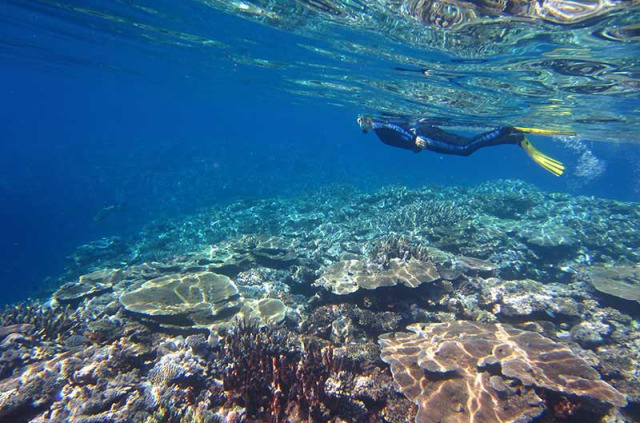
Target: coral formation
x=271 y=310
x=348 y=276
x=466 y=371
x=618 y=281
x=528 y=297
x=47 y=323
x=231 y=314
x=277 y=381
x=88 y=285
x=196 y=299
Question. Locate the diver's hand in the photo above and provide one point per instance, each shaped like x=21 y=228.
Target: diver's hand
x=421 y=142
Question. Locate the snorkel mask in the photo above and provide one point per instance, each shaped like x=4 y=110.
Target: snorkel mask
x=366 y=123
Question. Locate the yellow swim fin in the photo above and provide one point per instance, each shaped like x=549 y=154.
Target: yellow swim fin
x=542 y=131
x=543 y=160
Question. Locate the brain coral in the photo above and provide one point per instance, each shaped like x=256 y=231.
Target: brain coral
x=471 y=372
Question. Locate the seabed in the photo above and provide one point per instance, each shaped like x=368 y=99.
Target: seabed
x=492 y=303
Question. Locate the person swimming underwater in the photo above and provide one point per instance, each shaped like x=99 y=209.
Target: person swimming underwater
x=432 y=138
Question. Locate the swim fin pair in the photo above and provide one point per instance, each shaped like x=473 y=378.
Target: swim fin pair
x=552 y=165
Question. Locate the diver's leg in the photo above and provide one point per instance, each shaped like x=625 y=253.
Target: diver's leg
x=498 y=136
x=514 y=136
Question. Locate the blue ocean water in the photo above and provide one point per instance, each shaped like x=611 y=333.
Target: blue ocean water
x=161 y=109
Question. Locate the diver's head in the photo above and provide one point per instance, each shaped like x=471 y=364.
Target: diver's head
x=366 y=123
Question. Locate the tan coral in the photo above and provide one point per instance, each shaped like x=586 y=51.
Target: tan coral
x=475 y=264
x=233 y=256
x=271 y=310
x=185 y=299
x=619 y=281
x=471 y=372
x=88 y=285
x=348 y=276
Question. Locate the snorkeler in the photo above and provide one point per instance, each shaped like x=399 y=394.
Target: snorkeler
x=432 y=138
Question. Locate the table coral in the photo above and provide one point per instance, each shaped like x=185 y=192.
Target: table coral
x=184 y=299
x=471 y=372
x=348 y=276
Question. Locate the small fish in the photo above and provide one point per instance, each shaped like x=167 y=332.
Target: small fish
x=107 y=210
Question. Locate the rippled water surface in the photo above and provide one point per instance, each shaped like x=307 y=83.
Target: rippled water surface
x=551 y=63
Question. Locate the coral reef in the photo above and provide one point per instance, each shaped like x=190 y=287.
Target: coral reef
x=279 y=310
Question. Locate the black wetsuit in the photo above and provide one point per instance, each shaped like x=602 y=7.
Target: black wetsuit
x=441 y=141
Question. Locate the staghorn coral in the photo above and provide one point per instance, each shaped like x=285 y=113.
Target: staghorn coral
x=424 y=214
x=275 y=376
x=50 y=323
x=471 y=372
x=272 y=379
x=381 y=251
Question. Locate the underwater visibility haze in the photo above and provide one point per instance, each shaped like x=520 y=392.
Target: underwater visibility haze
x=199 y=221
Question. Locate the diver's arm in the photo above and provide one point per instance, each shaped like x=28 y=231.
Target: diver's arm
x=396 y=135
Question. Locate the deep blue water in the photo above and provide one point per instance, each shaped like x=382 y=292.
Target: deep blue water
x=165 y=131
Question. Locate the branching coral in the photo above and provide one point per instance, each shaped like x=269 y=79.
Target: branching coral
x=49 y=323
x=424 y=214
x=274 y=380
x=400 y=247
